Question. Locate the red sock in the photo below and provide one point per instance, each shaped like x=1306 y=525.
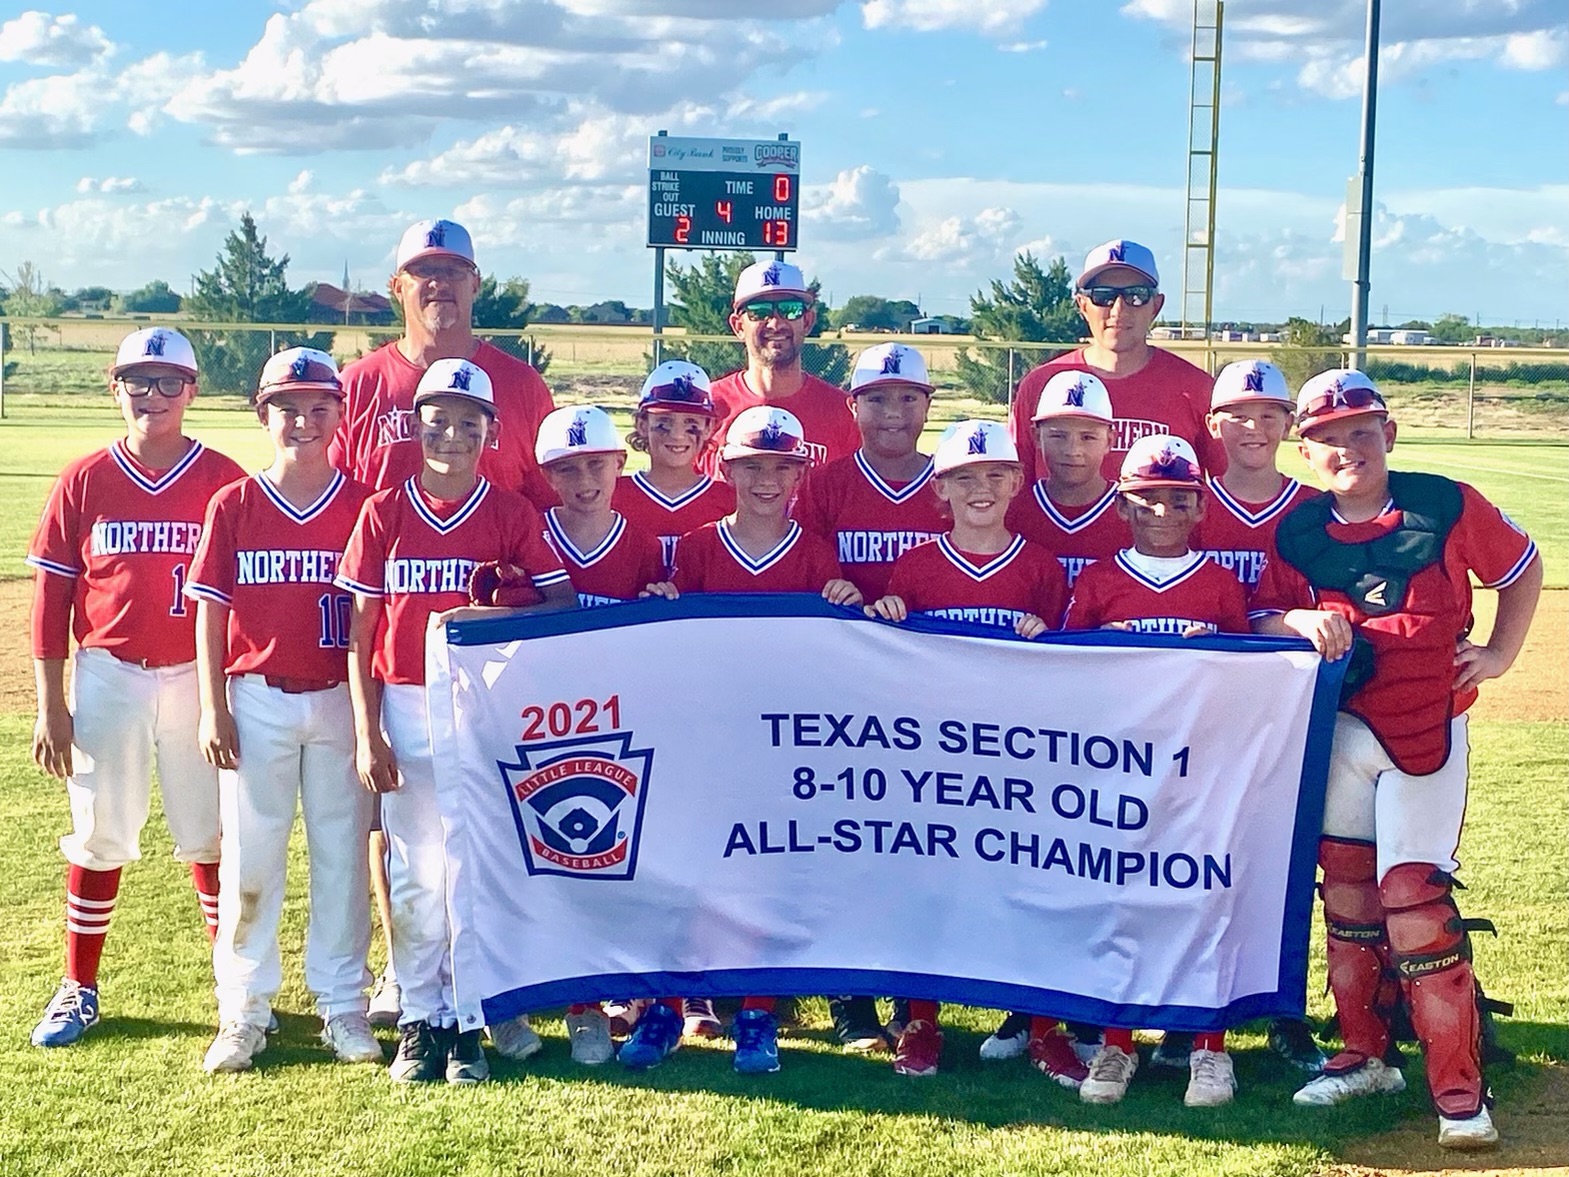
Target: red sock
x=1040 y=1027
x=1121 y=1039
x=923 y=1011
x=759 y=1003
x=1210 y=1040
x=89 y=902
x=205 y=877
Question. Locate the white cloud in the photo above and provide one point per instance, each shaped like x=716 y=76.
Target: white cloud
x=987 y=236
x=61 y=110
x=37 y=38
x=1022 y=46
x=109 y=185
x=859 y=204
x=990 y=17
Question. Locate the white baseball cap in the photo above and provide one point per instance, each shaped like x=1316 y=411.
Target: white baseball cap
x=769 y=279
x=679 y=386
x=456 y=378
x=1109 y=254
x=1245 y=381
x=1160 y=460
x=154 y=345
x=763 y=431
x=889 y=363
x=575 y=430
x=435 y=238
x=1074 y=394
x=967 y=443
x=1336 y=394
x=298 y=368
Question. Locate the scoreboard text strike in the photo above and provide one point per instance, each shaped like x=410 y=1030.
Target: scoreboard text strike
x=723 y=193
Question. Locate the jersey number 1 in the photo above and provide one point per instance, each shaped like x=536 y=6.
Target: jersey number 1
x=178 y=608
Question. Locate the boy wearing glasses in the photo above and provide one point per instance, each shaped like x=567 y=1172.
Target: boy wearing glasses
x=1152 y=391
x=773 y=314
x=111 y=557
x=1380 y=568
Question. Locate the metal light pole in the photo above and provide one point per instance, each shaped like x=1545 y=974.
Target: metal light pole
x=1364 y=219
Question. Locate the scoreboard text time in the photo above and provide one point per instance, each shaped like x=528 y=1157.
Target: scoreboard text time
x=723 y=193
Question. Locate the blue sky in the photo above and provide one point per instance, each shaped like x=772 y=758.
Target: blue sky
x=939 y=137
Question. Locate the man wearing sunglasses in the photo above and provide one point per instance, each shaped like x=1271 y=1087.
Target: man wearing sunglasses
x=773 y=314
x=435 y=284
x=1152 y=391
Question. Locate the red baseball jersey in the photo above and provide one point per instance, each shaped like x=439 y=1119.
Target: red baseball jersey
x=646 y=506
x=710 y=561
x=1167 y=395
x=870 y=522
x=939 y=580
x=274 y=565
x=1077 y=536
x=416 y=552
x=378 y=443
x=822 y=409
x=619 y=567
x=125 y=534
x=1240 y=536
x=1158 y=595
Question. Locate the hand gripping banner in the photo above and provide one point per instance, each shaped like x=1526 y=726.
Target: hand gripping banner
x=732 y=795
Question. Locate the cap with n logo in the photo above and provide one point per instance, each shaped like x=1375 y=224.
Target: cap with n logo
x=456 y=378
x=154 y=345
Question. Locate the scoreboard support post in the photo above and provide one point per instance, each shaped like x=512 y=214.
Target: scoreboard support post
x=659 y=303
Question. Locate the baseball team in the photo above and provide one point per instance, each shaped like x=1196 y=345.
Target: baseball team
x=435 y=476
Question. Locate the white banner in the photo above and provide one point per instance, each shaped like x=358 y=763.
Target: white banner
x=766 y=794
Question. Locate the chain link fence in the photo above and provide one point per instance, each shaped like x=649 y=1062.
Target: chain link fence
x=1486 y=392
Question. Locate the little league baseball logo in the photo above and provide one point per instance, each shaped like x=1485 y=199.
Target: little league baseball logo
x=579 y=805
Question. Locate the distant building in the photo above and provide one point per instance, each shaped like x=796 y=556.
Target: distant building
x=934 y=325
x=1411 y=338
x=363 y=310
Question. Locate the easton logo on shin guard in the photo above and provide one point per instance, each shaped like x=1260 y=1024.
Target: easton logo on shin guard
x=1355 y=933
x=1412 y=967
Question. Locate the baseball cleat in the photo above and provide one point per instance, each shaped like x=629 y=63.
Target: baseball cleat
x=856 y=1025
x=756 y=1042
x=466 y=1062
x=919 y=1050
x=1212 y=1081
x=657 y=1035
x=1292 y=1040
x=1348 y=1081
x=1173 y=1051
x=1469 y=1134
x=1052 y=1054
x=589 y=1034
x=1009 y=1040
x=349 y=1037
x=699 y=1019
x=422 y=1054
x=386 y=1002
x=515 y=1038
x=623 y=1015
x=1109 y=1076
x=237 y=1044
x=71 y=1012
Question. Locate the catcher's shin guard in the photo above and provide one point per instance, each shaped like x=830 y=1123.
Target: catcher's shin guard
x=1433 y=956
x=1361 y=975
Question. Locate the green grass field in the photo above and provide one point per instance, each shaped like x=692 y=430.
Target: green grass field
x=132 y=1098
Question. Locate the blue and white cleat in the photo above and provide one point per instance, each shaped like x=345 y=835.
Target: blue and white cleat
x=72 y=1011
x=656 y=1035
x=756 y=1042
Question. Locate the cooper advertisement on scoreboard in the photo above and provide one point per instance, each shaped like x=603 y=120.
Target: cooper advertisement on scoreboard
x=760 y=795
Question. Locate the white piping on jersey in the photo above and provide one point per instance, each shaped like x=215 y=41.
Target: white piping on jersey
x=64 y=570
x=205 y=592
x=567 y=548
x=1254 y=518
x=1514 y=573
x=1070 y=526
x=1129 y=560
x=122 y=458
x=444 y=526
x=289 y=510
x=910 y=488
x=772 y=557
x=996 y=564
x=640 y=480
x=1334 y=512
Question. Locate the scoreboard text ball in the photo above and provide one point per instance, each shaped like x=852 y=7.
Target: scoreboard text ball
x=723 y=193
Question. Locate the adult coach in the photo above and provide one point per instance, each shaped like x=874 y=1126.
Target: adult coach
x=772 y=314
x=435 y=284
x=1152 y=391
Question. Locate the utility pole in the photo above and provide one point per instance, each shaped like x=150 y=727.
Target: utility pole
x=1364 y=220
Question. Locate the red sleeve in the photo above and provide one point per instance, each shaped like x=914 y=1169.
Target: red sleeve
x=651 y=561
x=363 y=567
x=825 y=564
x=810 y=511
x=53 y=597
x=902 y=582
x=1492 y=545
x=213 y=565
x=530 y=551
x=1020 y=416
x=1083 y=611
x=687 y=575
x=1280 y=589
x=1051 y=594
x=57 y=545
x=1233 y=606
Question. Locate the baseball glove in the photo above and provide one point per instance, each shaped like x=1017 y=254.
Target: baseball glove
x=503 y=586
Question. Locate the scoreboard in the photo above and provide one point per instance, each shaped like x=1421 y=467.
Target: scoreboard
x=723 y=193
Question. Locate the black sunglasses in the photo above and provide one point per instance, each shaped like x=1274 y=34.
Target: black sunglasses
x=1104 y=296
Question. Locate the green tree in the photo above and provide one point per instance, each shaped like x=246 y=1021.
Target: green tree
x=153 y=299
x=701 y=302
x=1453 y=328
x=1306 y=349
x=1036 y=307
x=874 y=313
x=506 y=305
x=246 y=286
x=30 y=297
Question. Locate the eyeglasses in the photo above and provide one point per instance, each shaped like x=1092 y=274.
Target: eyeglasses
x=438 y=271
x=1104 y=296
x=167 y=386
x=1337 y=397
x=761 y=310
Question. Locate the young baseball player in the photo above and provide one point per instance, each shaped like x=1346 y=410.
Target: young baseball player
x=757 y=549
x=977 y=571
x=1380 y=568
x=111 y=557
x=1159 y=585
x=411 y=555
x=272 y=656
x=673 y=422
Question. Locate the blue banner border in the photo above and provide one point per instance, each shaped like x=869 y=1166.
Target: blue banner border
x=1288 y=999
